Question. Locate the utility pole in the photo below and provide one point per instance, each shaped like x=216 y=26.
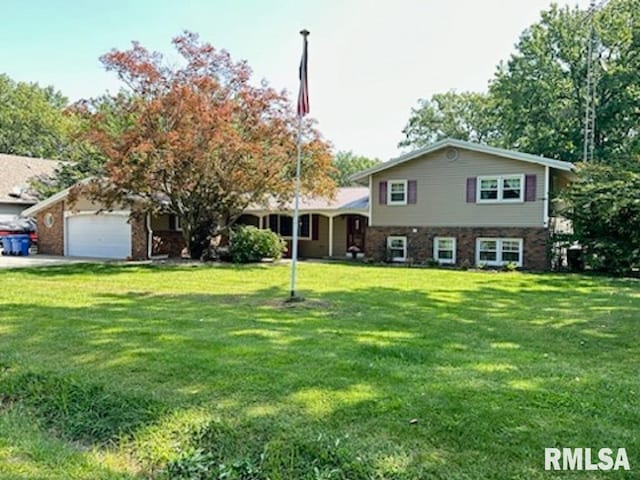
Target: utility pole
x=590 y=97
x=589 y=139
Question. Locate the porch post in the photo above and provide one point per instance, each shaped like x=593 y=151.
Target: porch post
x=331 y=236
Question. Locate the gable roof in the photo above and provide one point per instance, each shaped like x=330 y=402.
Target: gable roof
x=476 y=147
x=56 y=197
x=346 y=198
x=16 y=172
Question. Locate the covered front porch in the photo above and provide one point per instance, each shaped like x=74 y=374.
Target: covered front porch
x=328 y=227
x=321 y=234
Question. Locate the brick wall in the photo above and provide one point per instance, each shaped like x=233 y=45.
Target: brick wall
x=51 y=238
x=168 y=242
x=420 y=243
x=139 y=249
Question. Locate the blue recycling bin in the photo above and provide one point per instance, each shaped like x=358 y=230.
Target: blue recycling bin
x=25 y=244
x=6 y=245
x=20 y=244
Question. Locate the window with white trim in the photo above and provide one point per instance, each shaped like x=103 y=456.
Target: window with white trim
x=498 y=251
x=283 y=226
x=397 y=248
x=444 y=250
x=174 y=223
x=501 y=188
x=397 y=192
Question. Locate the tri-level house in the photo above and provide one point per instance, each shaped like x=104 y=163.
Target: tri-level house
x=454 y=202
x=460 y=203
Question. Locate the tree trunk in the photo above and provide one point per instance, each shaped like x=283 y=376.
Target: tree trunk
x=199 y=243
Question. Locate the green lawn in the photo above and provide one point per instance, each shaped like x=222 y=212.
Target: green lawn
x=136 y=371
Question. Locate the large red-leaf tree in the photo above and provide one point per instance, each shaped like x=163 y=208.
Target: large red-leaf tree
x=198 y=140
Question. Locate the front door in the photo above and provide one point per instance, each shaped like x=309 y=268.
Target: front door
x=356 y=225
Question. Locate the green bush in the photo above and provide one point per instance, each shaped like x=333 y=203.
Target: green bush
x=510 y=267
x=251 y=244
x=604 y=208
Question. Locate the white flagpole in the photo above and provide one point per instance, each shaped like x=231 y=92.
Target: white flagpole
x=296 y=204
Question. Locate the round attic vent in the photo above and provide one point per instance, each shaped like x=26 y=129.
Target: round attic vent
x=48 y=220
x=452 y=153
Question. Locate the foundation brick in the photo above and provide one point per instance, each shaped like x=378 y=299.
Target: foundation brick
x=420 y=243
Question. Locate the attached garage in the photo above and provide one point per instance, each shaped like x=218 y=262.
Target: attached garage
x=104 y=235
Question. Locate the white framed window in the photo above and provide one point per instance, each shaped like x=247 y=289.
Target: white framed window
x=498 y=251
x=283 y=226
x=500 y=188
x=174 y=223
x=444 y=250
x=397 y=192
x=397 y=248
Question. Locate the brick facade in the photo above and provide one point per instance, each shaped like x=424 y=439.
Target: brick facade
x=420 y=242
x=51 y=238
x=139 y=237
x=168 y=242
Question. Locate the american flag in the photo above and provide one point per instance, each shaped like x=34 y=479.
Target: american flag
x=303 y=94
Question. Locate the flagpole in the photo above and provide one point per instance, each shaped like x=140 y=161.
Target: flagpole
x=296 y=206
x=296 y=203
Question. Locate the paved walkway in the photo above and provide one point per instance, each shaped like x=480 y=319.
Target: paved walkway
x=44 y=261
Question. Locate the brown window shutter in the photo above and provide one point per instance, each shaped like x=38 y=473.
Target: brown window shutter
x=530 y=188
x=412 y=196
x=315 y=226
x=471 y=189
x=382 y=193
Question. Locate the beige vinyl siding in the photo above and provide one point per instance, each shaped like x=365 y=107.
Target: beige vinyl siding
x=317 y=248
x=441 y=184
x=160 y=222
x=83 y=204
x=340 y=236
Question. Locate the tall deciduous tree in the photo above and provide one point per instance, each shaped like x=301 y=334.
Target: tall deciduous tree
x=348 y=163
x=604 y=208
x=536 y=100
x=200 y=141
x=465 y=116
x=85 y=160
x=32 y=120
x=540 y=92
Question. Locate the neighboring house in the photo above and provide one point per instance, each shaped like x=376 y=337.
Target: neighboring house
x=454 y=202
x=463 y=203
x=15 y=175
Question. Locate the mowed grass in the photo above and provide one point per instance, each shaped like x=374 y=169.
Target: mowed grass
x=111 y=371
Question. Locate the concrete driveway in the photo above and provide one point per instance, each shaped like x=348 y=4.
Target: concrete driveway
x=45 y=261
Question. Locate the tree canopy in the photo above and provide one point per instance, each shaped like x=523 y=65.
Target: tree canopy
x=199 y=141
x=536 y=100
x=604 y=207
x=347 y=163
x=465 y=116
x=32 y=120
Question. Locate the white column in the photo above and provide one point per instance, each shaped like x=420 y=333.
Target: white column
x=545 y=206
x=331 y=236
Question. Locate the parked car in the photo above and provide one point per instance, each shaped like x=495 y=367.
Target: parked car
x=15 y=226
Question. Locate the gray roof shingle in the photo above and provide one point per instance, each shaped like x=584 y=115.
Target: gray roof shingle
x=15 y=173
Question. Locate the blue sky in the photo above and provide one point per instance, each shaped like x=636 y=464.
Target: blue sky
x=369 y=60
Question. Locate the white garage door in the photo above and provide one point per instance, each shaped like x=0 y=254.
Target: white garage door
x=105 y=236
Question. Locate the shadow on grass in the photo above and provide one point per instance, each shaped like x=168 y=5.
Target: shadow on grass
x=489 y=371
x=119 y=268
